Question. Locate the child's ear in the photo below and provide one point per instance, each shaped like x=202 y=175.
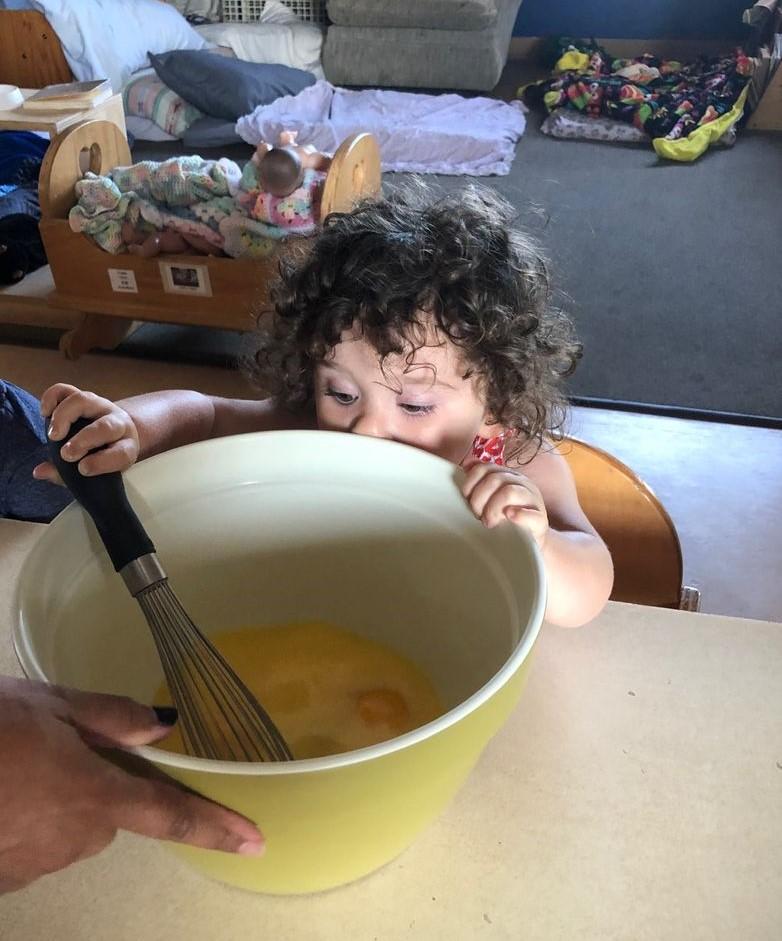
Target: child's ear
x=489 y=427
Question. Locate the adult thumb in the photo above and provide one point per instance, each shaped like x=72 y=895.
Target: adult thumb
x=116 y=720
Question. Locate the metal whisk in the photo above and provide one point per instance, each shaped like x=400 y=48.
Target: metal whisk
x=219 y=716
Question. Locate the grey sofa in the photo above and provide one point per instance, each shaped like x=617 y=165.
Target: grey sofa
x=459 y=44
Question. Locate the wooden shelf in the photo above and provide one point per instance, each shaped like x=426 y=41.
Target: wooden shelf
x=55 y=122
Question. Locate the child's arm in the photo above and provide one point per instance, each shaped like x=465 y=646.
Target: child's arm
x=166 y=420
x=541 y=496
x=148 y=424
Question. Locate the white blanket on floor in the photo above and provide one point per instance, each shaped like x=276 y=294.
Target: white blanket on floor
x=417 y=133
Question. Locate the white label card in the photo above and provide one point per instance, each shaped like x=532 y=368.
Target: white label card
x=123 y=280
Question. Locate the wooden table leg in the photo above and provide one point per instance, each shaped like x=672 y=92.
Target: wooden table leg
x=96 y=330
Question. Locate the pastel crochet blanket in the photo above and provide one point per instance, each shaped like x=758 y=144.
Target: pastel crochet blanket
x=212 y=199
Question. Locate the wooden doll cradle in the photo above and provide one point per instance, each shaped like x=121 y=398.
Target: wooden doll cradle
x=116 y=291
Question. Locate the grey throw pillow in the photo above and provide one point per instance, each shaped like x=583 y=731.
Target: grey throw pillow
x=223 y=87
x=211 y=132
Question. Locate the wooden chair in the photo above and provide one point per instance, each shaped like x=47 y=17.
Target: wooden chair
x=636 y=527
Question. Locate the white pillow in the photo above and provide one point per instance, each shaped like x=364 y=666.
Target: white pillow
x=208 y=8
x=276 y=12
x=111 y=38
x=296 y=44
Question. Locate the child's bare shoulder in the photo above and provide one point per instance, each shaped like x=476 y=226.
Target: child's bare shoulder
x=540 y=460
x=545 y=466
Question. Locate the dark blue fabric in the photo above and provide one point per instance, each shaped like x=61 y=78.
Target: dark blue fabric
x=18 y=200
x=22 y=446
x=21 y=153
x=210 y=132
x=21 y=247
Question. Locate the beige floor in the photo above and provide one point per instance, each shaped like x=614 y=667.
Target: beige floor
x=722 y=484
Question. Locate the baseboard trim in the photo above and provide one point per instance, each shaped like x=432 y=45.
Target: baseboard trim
x=529 y=47
x=676 y=411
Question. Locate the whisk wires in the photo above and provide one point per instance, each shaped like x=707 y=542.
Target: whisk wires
x=219 y=717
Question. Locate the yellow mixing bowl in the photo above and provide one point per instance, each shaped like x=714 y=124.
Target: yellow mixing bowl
x=290 y=526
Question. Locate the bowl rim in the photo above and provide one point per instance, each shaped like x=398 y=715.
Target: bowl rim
x=166 y=759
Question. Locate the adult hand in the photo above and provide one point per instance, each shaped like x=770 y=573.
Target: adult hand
x=60 y=801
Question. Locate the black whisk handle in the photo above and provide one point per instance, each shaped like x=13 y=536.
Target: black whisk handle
x=104 y=498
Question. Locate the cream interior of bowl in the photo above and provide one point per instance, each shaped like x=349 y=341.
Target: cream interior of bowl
x=276 y=527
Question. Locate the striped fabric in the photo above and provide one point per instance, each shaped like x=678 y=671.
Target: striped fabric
x=147 y=97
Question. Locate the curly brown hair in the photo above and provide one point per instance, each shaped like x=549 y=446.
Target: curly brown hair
x=391 y=266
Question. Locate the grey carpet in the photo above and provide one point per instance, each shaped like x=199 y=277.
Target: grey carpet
x=672 y=272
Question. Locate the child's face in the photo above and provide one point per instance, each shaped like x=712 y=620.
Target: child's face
x=425 y=402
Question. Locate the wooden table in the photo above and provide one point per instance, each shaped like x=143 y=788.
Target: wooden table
x=636 y=793
x=56 y=121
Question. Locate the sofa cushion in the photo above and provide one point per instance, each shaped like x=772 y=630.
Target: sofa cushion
x=226 y=88
x=423 y=14
x=414 y=58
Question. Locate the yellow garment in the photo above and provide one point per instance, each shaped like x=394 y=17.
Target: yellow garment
x=572 y=61
x=522 y=88
x=689 y=148
x=550 y=100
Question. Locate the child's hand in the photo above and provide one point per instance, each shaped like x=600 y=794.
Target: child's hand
x=498 y=493
x=112 y=429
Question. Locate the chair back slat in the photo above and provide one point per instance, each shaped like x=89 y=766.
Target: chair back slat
x=636 y=527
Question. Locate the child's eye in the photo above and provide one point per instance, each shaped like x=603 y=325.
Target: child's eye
x=343 y=398
x=416 y=409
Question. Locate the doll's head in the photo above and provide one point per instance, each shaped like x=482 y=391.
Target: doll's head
x=280 y=171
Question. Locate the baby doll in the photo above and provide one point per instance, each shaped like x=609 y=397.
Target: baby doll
x=281 y=167
x=169 y=241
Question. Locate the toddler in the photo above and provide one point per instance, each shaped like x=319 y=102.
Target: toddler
x=417 y=319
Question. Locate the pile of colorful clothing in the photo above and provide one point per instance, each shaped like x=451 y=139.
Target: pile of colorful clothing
x=682 y=108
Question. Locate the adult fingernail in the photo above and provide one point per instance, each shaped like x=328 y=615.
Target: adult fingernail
x=166 y=715
x=252 y=848
x=53 y=433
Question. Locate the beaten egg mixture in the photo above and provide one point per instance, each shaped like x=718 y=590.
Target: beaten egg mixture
x=328 y=689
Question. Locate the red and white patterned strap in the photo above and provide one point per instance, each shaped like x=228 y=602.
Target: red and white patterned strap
x=490 y=450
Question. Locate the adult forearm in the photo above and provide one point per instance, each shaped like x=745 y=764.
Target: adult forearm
x=580 y=577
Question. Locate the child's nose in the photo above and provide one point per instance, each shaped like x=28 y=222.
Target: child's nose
x=371 y=424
